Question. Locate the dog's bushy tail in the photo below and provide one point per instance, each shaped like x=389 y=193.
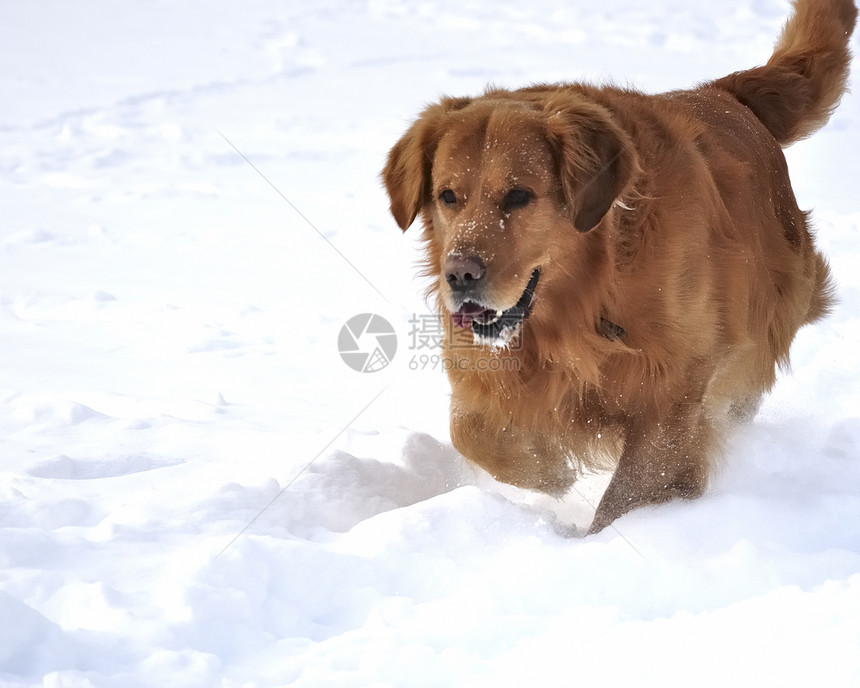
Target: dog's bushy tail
x=797 y=90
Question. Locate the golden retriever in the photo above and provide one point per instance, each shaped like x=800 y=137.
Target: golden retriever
x=641 y=258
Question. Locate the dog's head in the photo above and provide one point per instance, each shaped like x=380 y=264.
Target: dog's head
x=505 y=183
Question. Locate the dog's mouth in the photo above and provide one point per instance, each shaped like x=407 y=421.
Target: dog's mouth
x=496 y=325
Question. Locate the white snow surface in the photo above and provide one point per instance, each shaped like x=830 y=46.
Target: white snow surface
x=195 y=490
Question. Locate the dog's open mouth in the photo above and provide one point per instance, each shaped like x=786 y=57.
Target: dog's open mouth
x=496 y=325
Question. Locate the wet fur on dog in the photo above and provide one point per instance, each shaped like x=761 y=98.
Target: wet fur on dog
x=640 y=258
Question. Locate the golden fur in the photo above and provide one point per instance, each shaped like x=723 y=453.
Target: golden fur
x=674 y=264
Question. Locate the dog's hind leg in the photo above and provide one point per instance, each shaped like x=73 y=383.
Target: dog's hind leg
x=744 y=410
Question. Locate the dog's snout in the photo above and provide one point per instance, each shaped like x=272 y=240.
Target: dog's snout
x=463 y=273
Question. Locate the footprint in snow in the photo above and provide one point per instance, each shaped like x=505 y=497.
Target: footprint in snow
x=66 y=468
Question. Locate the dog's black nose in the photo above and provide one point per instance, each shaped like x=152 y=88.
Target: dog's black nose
x=463 y=273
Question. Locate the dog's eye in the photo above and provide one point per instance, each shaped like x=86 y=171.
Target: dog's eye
x=448 y=197
x=516 y=198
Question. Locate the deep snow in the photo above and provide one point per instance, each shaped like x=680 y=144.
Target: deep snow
x=195 y=490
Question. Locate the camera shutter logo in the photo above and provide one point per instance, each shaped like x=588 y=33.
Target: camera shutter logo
x=367 y=343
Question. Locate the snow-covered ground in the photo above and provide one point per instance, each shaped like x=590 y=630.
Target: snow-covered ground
x=195 y=490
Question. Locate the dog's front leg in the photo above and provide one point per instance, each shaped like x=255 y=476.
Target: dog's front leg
x=511 y=454
x=661 y=460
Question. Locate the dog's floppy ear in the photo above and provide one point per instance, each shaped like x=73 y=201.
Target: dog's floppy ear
x=596 y=158
x=408 y=173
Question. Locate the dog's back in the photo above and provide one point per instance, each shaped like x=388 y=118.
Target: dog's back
x=793 y=95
